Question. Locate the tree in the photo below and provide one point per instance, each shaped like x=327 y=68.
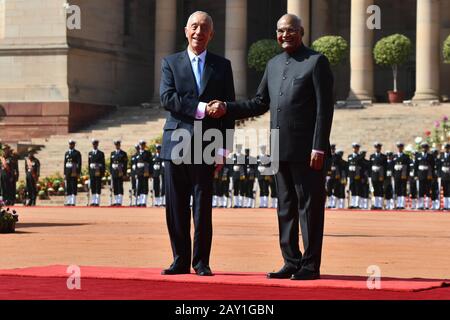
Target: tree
x=332 y=47
x=393 y=51
x=261 y=52
x=446 y=50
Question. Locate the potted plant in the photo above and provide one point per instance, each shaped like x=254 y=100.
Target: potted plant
x=8 y=220
x=393 y=51
x=333 y=47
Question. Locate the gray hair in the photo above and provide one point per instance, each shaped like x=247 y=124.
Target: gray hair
x=208 y=18
x=296 y=19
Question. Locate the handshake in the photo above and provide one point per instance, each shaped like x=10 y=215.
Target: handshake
x=216 y=109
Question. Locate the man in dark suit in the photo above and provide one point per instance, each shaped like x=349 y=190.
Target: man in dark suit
x=190 y=79
x=297 y=88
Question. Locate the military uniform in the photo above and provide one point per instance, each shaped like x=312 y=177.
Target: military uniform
x=330 y=178
x=401 y=174
x=340 y=176
x=118 y=169
x=355 y=168
x=223 y=185
x=32 y=172
x=413 y=182
x=250 y=177
x=365 y=185
x=144 y=169
x=425 y=167
x=238 y=178
x=9 y=176
x=133 y=191
x=96 y=163
x=435 y=189
x=264 y=177
x=158 y=178
x=72 y=170
x=388 y=186
x=444 y=174
x=377 y=165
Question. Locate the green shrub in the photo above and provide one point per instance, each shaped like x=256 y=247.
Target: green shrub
x=333 y=47
x=261 y=52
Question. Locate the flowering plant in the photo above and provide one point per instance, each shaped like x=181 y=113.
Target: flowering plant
x=8 y=219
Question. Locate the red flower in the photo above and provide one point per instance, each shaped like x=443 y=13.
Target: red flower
x=427 y=133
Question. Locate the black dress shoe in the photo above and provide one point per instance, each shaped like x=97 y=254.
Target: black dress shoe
x=175 y=270
x=304 y=274
x=284 y=273
x=204 y=271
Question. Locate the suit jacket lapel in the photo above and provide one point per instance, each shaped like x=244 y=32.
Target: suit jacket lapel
x=207 y=72
x=187 y=69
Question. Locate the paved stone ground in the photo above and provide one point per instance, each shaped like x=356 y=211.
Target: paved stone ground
x=402 y=244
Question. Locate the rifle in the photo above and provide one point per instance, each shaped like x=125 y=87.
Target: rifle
x=136 y=195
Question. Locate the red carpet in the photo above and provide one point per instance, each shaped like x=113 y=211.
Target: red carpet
x=141 y=283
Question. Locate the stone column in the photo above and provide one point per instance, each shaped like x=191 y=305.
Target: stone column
x=236 y=43
x=165 y=36
x=320 y=19
x=301 y=8
x=427 y=50
x=361 y=59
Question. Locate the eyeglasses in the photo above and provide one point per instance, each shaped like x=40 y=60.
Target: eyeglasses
x=289 y=31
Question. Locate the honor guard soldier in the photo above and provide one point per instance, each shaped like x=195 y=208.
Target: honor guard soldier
x=388 y=187
x=263 y=162
x=224 y=187
x=425 y=172
x=250 y=177
x=97 y=169
x=413 y=181
x=32 y=172
x=401 y=174
x=158 y=178
x=444 y=174
x=9 y=175
x=331 y=177
x=354 y=173
x=144 y=170
x=238 y=177
x=133 y=191
x=341 y=179
x=435 y=189
x=365 y=186
x=118 y=169
x=378 y=162
x=72 y=170
x=216 y=186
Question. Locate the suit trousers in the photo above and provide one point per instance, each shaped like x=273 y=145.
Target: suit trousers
x=301 y=194
x=96 y=184
x=117 y=185
x=182 y=181
x=71 y=187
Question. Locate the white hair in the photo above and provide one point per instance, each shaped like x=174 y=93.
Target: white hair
x=208 y=18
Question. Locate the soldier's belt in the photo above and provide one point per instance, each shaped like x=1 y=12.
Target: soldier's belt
x=70 y=165
x=333 y=168
x=445 y=169
x=236 y=168
x=95 y=165
x=389 y=173
x=140 y=165
x=398 y=167
x=261 y=169
x=133 y=167
x=376 y=168
x=352 y=168
x=423 y=168
x=156 y=167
